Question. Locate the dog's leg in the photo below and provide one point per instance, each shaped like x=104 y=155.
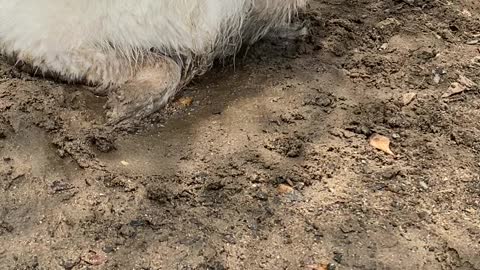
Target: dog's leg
x=136 y=86
x=148 y=91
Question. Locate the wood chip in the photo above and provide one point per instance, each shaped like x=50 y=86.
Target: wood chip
x=455 y=88
x=381 y=143
x=463 y=83
x=408 y=98
x=466 y=81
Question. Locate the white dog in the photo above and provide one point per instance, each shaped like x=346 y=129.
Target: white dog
x=138 y=52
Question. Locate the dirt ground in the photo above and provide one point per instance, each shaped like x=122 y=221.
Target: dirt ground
x=270 y=166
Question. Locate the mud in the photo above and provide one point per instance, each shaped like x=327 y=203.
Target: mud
x=270 y=166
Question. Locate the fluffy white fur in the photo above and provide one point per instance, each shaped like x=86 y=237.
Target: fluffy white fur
x=125 y=43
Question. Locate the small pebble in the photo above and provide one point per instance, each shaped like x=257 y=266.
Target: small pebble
x=423 y=185
x=284 y=189
x=437 y=78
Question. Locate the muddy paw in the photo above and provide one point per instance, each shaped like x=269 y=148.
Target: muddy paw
x=101 y=90
x=122 y=106
x=146 y=93
x=294 y=31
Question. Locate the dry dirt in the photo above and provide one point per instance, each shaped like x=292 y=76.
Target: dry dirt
x=270 y=166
